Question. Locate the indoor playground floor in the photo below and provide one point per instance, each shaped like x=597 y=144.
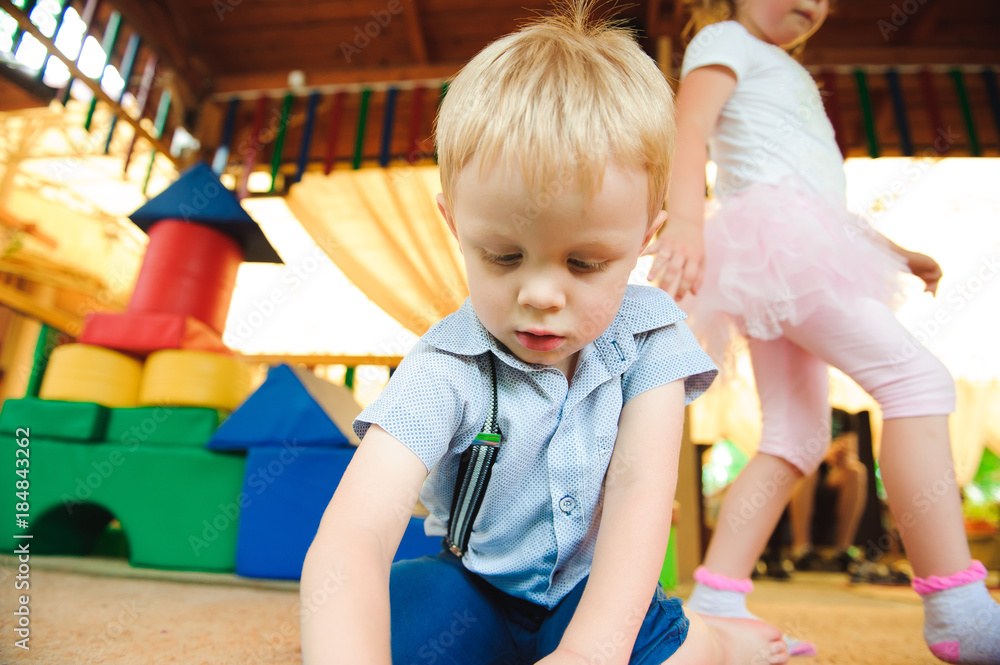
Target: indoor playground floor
x=88 y=611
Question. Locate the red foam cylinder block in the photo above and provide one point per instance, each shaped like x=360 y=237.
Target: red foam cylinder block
x=142 y=333
x=189 y=269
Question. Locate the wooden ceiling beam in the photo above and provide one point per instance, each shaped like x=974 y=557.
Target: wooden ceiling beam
x=155 y=25
x=95 y=87
x=815 y=55
x=312 y=360
x=277 y=82
x=918 y=29
x=653 y=19
x=418 y=43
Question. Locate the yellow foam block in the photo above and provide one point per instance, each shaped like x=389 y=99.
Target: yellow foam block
x=85 y=373
x=194 y=378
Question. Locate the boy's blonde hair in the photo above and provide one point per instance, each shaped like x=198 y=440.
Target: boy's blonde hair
x=561 y=98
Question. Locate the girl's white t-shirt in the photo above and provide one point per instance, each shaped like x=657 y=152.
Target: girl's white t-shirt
x=774 y=124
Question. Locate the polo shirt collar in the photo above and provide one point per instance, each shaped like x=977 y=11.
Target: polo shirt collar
x=643 y=308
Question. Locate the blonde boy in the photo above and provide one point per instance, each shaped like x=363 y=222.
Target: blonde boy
x=554 y=145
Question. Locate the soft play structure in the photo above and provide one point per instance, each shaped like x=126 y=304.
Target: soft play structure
x=117 y=423
x=296 y=429
x=125 y=423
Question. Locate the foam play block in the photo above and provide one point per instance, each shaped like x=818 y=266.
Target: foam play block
x=54 y=419
x=285 y=492
x=188 y=269
x=178 y=506
x=669 y=575
x=292 y=404
x=167 y=425
x=143 y=333
x=194 y=378
x=199 y=196
x=416 y=543
x=84 y=373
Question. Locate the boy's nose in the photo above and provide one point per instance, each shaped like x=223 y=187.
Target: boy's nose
x=541 y=292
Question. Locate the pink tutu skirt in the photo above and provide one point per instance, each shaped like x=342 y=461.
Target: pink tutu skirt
x=774 y=254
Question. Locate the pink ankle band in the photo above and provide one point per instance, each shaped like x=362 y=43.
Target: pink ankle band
x=721 y=582
x=925 y=585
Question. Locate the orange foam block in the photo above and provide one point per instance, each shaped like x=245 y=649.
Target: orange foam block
x=143 y=333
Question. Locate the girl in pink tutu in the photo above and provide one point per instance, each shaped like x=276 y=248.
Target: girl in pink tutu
x=782 y=262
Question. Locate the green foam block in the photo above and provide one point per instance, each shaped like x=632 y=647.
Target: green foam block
x=178 y=505
x=166 y=425
x=55 y=419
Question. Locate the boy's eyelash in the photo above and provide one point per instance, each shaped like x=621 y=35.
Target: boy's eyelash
x=511 y=259
x=589 y=267
x=499 y=259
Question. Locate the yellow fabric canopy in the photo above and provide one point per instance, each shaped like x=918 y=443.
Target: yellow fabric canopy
x=382 y=228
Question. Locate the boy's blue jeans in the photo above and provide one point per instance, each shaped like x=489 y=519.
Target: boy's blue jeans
x=442 y=614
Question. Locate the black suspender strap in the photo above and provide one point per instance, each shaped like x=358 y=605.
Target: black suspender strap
x=474 y=469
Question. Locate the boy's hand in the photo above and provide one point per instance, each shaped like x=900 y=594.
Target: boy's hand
x=679 y=266
x=925 y=268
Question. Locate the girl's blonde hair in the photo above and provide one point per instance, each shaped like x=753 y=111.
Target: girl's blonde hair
x=707 y=12
x=560 y=99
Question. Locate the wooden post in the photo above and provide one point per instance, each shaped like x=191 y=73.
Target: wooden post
x=688 y=527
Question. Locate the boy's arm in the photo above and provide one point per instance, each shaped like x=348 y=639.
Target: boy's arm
x=635 y=527
x=345 y=578
x=679 y=249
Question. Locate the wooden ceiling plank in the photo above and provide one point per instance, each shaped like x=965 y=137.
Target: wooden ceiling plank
x=227 y=86
x=155 y=26
x=881 y=55
x=259 y=13
x=418 y=43
x=653 y=19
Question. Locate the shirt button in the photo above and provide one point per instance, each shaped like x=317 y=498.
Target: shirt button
x=566 y=504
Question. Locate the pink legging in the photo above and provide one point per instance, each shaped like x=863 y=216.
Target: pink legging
x=871 y=347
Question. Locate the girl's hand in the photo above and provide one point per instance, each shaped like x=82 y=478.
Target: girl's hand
x=679 y=266
x=925 y=268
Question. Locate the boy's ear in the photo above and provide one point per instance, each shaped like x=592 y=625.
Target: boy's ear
x=661 y=217
x=443 y=207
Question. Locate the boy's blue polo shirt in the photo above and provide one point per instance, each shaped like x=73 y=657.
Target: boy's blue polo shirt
x=535 y=534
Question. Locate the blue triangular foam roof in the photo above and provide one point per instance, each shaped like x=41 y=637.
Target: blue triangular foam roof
x=199 y=196
x=295 y=407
